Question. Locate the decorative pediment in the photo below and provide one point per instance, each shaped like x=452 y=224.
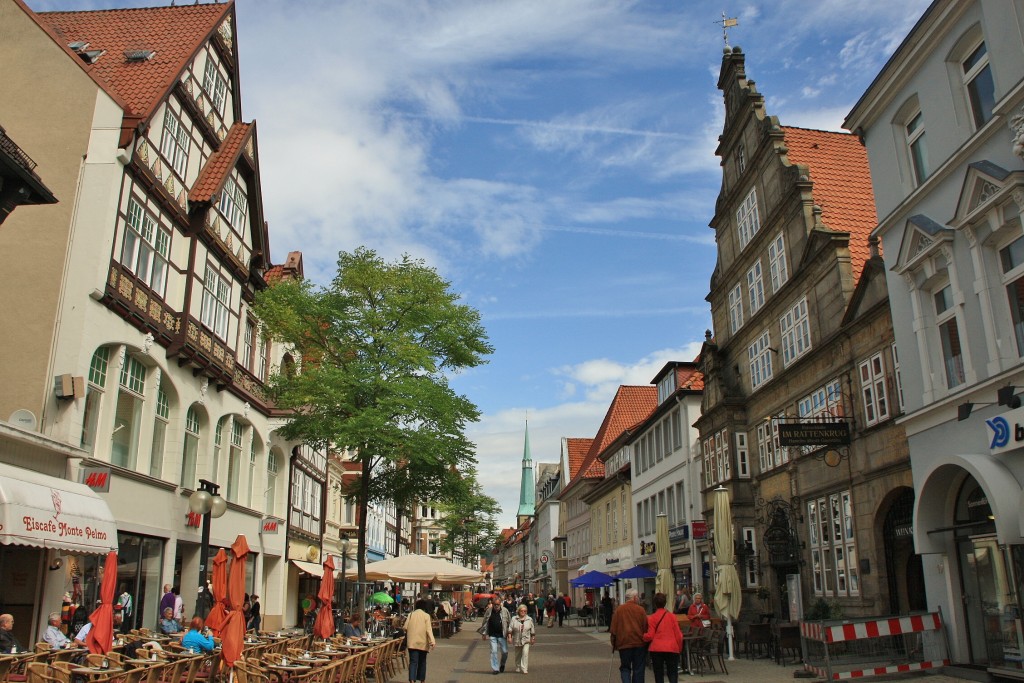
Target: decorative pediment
x=982 y=182
x=921 y=236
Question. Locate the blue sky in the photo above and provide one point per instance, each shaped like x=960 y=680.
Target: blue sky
x=554 y=159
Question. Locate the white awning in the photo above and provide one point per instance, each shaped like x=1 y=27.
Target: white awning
x=46 y=512
x=309 y=567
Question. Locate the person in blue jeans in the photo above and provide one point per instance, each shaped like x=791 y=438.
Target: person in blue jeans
x=495 y=628
x=629 y=624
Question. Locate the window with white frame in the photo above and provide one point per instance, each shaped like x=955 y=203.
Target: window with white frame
x=873 y=389
x=215 y=84
x=795 y=327
x=823 y=404
x=781 y=452
x=978 y=85
x=755 y=287
x=144 y=249
x=233 y=205
x=163 y=414
x=247 y=344
x=234 y=461
x=747 y=221
x=916 y=147
x=624 y=511
x=759 y=356
x=218 y=440
x=261 y=356
x=741 y=159
x=94 y=396
x=833 y=547
x=677 y=429
x=216 y=302
x=777 y=270
x=174 y=143
x=1011 y=260
x=717 y=466
x=742 y=456
x=190 y=450
x=897 y=377
x=666 y=386
x=124 y=440
x=765 y=445
x=736 y=308
x=949 y=337
x=749 y=537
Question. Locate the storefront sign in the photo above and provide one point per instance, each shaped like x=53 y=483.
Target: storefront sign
x=269 y=526
x=647 y=547
x=193 y=519
x=700 y=529
x=1006 y=431
x=96 y=478
x=814 y=434
x=680 y=532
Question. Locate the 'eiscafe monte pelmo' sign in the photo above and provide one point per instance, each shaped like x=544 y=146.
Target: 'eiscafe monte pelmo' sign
x=1006 y=431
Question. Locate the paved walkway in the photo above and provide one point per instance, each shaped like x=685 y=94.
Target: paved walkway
x=583 y=655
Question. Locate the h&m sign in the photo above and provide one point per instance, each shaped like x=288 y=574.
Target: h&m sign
x=96 y=478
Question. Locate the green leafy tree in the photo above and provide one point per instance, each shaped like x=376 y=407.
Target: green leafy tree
x=376 y=348
x=468 y=520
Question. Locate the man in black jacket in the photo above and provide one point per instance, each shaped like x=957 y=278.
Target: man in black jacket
x=8 y=643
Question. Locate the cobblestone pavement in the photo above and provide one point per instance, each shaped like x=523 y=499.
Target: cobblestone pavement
x=583 y=655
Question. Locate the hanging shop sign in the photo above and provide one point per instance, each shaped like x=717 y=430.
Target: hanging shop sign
x=814 y=434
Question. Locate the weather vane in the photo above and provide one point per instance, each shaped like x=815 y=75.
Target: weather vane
x=727 y=23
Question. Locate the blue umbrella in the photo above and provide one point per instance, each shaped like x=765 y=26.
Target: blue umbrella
x=637 y=572
x=592 y=580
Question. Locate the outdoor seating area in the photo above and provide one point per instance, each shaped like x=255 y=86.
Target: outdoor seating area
x=266 y=658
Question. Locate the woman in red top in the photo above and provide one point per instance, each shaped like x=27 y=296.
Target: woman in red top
x=666 y=641
x=699 y=612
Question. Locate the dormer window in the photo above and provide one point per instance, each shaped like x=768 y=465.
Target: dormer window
x=215 y=85
x=666 y=387
x=233 y=205
x=175 y=143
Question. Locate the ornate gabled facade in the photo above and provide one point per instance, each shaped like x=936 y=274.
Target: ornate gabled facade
x=140 y=282
x=803 y=337
x=943 y=124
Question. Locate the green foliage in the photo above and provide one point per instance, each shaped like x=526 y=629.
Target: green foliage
x=824 y=610
x=469 y=521
x=376 y=346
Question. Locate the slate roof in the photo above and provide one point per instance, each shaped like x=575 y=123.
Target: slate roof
x=838 y=164
x=219 y=165
x=175 y=34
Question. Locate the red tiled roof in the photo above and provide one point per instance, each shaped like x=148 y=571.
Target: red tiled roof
x=173 y=33
x=578 y=448
x=690 y=379
x=631 y=405
x=219 y=165
x=842 y=184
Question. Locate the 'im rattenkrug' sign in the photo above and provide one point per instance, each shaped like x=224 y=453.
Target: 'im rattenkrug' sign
x=814 y=434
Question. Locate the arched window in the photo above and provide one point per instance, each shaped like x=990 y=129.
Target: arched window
x=94 y=395
x=255 y=457
x=273 y=465
x=190 y=451
x=234 y=460
x=163 y=413
x=124 y=440
x=218 y=437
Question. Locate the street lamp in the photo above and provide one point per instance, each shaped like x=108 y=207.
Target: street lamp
x=207 y=503
x=345 y=542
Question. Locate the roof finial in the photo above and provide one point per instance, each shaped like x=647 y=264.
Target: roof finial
x=727 y=23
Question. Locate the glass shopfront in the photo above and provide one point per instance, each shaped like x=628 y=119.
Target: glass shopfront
x=139 y=559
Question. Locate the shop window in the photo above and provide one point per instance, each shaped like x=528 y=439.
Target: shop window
x=190 y=450
x=834 y=567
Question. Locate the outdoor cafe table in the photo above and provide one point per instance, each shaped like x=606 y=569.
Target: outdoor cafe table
x=65 y=654
x=92 y=672
x=333 y=653
x=286 y=671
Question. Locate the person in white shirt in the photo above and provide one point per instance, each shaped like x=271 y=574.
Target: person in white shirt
x=53 y=635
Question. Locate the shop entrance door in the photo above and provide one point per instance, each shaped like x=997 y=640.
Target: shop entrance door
x=985 y=593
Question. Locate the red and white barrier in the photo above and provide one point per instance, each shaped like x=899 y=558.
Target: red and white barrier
x=878 y=670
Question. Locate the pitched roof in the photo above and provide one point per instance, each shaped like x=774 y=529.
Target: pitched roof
x=220 y=163
x=842 y=184
x=173 y=33
x=577 y=448
x=631 y=405
x=689 y=378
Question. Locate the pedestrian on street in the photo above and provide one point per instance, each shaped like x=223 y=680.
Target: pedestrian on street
x=419 y=635
x=495 y=627
x=562 y=608
x=549 y=604
x=254 y=614
x=540 y=609
x=665 y=641
x=523 y=633
x=629 y=624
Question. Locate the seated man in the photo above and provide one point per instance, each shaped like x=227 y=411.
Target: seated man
x=80 y=637
x=352 y=629
x=53 y=634
x=168 y=624
x=8 y=643
x=194 y=640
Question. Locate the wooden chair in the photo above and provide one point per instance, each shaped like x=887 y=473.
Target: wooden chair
x=788 y=641
x=247 y=672
x=61 y=670
x=97 y=659
x=759 y=636
x=42 y=646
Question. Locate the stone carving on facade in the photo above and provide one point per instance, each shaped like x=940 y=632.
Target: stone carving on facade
x=204 y=386
x=1017 y=126
x=121 y=355
x=245 y=409
x=147 y=342
x=157 y=375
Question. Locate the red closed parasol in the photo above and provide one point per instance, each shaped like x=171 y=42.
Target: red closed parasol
x=324 y=625
x=215 y=619
x=101 y=636
x=233 y=631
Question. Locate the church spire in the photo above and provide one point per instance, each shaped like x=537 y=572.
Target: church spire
x=527 y=492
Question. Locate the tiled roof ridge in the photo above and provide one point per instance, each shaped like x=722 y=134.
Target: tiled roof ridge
x=219 y=165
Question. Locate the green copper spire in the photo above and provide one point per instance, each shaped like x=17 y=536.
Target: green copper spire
x=527 y=492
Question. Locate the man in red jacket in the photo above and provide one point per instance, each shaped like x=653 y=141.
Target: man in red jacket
x=629 y=623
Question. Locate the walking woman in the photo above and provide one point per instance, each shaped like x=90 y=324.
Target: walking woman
x=666 y=641
x=420 y=638
x=523 y=633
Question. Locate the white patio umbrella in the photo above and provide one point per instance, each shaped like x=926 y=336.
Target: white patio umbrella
x=727 y=586
x=421 y=569
x=663 y=553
